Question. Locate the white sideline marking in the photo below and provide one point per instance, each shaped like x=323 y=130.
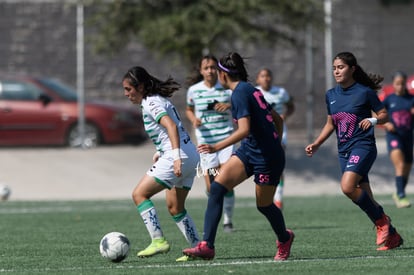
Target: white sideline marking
x=75 y=208
x=204 y=264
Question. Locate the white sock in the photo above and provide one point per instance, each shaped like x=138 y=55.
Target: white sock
x=186 y=225
x=279 y=192
x=149 y=215
x=228 y=206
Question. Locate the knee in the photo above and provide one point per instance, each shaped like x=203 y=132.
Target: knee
x=174 y=209
x=347 y=190
x=137 y=197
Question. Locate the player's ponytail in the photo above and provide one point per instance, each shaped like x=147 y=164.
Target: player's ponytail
x=371 y=80
x=233 y=65
x=152 y=86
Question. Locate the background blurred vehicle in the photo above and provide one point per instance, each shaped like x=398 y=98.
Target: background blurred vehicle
x=387 y=89
x=44 y=111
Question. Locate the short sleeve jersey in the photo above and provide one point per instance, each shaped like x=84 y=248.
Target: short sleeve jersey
x=153 y=109
x=277 y=97
x=348 y=107
x=399 y=111
x=247 y=100
x=215 y=126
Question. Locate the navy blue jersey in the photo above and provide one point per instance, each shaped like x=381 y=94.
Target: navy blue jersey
x=348 y=107
x=399 y=111
x=263 y=139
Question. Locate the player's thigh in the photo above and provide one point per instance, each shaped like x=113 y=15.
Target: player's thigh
x=231 y=173
x=264 y=194
x=146 y=188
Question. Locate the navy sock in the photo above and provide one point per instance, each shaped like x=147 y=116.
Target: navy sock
x=275 y=217
x=405 y=180
x=213 y=213
x=210 y=176
x=399 y=183
x=367 y=205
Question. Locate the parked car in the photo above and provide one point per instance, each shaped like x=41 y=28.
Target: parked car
x=44 y=111
x=388 y=89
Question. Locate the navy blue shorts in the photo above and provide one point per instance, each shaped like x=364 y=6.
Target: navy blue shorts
x=405 y=144
x=265 y=171
x=358 y=160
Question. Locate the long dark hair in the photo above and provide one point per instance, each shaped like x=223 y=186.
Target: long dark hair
x=233 y=65
x=152 y=85
x=195 y=76
x=371 y=80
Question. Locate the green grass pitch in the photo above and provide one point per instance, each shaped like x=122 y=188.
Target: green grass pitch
x=332 y=237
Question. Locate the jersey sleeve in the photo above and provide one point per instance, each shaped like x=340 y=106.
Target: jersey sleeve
x=328 y=109
x=155 y=109
x=374 y=101
x=190 y=100
x=285 y=97
x=240 y=105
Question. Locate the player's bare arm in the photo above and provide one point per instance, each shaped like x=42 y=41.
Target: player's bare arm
x=323 y=136
x=172 y=130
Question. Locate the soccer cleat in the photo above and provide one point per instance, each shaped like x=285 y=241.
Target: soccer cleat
x=201 y=250
x=383 y=229
x=185 y=258
x=279 y=204
x=394 y=241
x=159 y=245
x=283 y=249
x=401 y=202
x=228 y=228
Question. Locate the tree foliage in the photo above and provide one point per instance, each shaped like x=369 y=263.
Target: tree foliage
x=192 y=27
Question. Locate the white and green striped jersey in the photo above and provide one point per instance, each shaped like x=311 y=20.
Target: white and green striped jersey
x=215 y=126
x=277 y=97
x=153 y=109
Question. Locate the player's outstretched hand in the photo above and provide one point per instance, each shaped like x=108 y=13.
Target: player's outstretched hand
x=365 y=124
x=177 y=167
x=221 y=107
x=311 y=149
x=206 y=148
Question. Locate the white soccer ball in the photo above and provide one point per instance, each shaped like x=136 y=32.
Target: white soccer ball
x=114 y=246
x=4 y=192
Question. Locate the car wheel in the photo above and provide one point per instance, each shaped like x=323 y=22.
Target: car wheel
x=91 y=139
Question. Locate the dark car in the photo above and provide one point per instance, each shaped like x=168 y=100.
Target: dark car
x=44 y=111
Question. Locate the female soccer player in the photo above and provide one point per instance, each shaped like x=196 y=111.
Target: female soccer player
x=208 y=106
x=260 y=154
x=399 y=132
x=175 y=162
x=349 y=107
x=282 y=103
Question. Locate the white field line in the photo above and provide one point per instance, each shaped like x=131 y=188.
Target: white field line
x=75 y=208
x=199 y=264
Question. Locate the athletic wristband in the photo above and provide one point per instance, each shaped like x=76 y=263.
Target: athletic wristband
x=176 y=153
x=373 y=121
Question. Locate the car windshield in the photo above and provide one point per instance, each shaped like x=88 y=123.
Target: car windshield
x=63 y=90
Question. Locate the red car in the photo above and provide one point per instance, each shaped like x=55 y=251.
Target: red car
x=387 y=89
x=43 y=111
